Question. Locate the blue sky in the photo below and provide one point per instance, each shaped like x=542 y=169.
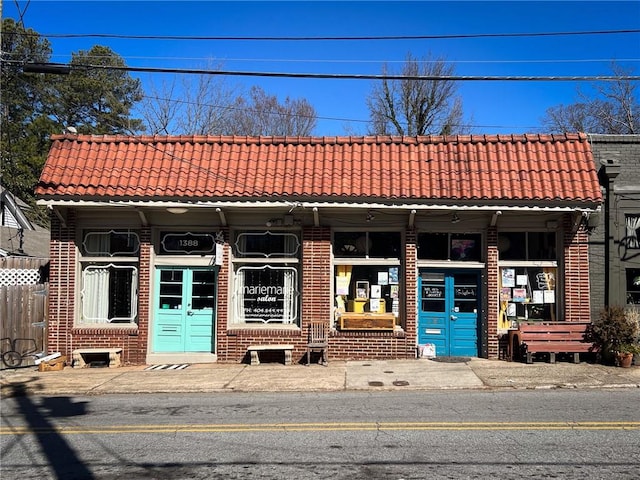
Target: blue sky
x=496 y=107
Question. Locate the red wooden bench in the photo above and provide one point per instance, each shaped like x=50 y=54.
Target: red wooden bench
x=552 y=338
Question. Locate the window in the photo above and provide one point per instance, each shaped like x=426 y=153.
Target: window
x=528 y=277
x=527 y=245
x=367 y=273
x=449 y=246
x=528 y=293
x=366 y=244
x=110 y=243
x=633 y=285
x=109 y=292
x=632 y=236
x=266 y=279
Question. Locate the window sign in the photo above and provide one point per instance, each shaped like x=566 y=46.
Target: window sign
x=432 y=291
x=188 y=243
x=268 y=294
x=468 y=292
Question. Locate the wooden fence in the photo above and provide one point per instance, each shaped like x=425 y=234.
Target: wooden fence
x=20 y=307
x=23 y=303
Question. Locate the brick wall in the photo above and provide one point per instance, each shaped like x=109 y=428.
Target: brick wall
x=63 y=336
x=316 y=302
x=492 y=297
x=62 y=253
x=623 y=150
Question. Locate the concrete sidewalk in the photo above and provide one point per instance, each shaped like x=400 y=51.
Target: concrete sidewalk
x=423 y=374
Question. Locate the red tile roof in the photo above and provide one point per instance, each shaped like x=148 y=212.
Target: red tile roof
x=478 y=168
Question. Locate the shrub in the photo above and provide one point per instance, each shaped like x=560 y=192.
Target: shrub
x=614 y=327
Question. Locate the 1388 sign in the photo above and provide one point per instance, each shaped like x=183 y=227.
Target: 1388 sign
x=187 y=243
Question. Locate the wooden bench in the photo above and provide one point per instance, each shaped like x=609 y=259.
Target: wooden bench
x=254 y=349
x=552 y=338
x=367 y=321
x=83 y=357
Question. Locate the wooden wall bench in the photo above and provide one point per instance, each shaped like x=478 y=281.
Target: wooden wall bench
x=367 y=321
x=254 y=349
x=83 y=357
x=552 y=338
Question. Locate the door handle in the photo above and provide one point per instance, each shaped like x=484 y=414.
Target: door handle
x=189 y=312
x=453 y=317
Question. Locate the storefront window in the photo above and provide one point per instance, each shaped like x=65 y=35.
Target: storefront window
x=109 y=291
x=633 y=285
x=449 y=246
x=266 y=280
x=528 y=277
x=527 y=294
x=367 y=277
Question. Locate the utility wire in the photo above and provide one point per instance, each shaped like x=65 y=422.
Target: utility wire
x=311 y=39
x=360 y=61
x=66 y=68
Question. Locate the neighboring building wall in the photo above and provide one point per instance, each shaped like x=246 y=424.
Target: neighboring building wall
x=617 y=159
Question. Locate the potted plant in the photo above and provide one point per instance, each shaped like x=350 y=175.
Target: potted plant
x=633 y=314
x=625 y=354
x=616 y=329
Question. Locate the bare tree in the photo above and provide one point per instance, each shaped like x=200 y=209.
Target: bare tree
x=197 y=106
x=263 y=114
x=208 y=107
x=159 y=110
x=614 y=109
x=411 y=106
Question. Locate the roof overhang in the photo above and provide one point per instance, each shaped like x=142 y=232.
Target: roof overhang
x=220 y=206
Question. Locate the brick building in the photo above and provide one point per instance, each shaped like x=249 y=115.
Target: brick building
x=191 y=249
x=614 y=248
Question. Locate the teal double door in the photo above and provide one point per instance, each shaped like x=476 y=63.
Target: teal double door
x=448 y=311
x=184 y=314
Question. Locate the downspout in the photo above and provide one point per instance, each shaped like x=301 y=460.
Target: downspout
x=611 y=169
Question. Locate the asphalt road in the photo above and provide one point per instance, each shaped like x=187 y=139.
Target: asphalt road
x=340 y=435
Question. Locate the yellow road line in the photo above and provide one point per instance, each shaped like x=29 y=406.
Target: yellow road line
x=355 y=426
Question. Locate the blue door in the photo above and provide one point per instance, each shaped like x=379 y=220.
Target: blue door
x=184 y=310
x=448 y=311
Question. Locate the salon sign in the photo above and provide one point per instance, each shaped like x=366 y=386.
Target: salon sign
x=268 y=294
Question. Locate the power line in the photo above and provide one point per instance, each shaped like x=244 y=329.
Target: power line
x=66 y=68
x=340 y=38
x=361 y=61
